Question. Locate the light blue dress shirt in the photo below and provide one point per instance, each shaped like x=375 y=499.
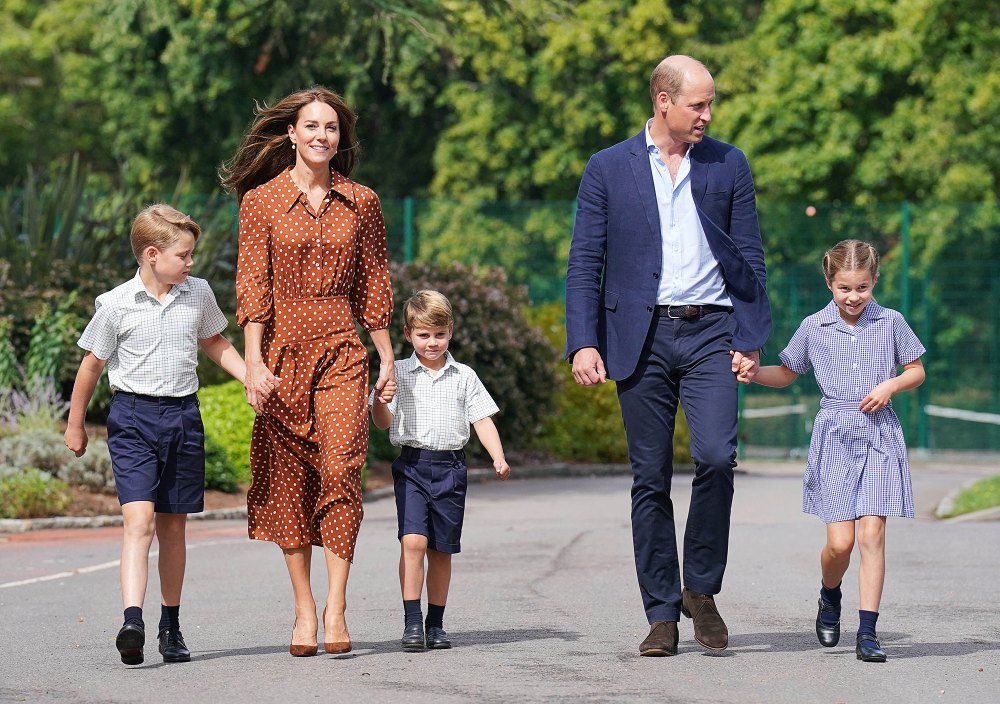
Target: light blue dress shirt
x=690 y=273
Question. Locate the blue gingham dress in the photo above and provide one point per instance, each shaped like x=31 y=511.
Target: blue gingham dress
x=857 y=461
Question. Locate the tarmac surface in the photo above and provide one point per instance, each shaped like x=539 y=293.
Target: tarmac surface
x=544 y=607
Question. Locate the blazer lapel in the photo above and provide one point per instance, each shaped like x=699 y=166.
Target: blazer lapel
x=639 y=161
x=699 y=173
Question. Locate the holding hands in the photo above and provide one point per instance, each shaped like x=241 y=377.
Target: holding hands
x=745 y=365
x=259 y=384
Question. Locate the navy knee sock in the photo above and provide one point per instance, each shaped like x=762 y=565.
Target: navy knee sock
x=411 y=611
x=833 y=597
x=170 y=616
x=133 y=614
x=435 y=615
x=867 y=622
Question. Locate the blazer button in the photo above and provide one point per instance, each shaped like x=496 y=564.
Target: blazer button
x=649 y=309
x=656 y=275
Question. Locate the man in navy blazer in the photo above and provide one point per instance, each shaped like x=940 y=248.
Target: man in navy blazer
x=665 y=294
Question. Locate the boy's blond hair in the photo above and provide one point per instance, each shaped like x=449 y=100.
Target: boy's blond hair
x=427 y=309
x=160 y=226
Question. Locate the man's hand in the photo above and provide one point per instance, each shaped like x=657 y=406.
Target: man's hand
x=588 y=367
x=745 y=365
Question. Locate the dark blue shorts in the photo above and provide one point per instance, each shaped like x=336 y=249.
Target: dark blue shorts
x=430 y=496
x=157 y=449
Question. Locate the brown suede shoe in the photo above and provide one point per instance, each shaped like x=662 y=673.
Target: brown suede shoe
x=709 y=628
x=662 y=640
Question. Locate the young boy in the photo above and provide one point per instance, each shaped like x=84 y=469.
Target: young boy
x=148 y=331
x=436 y=399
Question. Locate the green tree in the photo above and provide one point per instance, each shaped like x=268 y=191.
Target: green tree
x=867 y=100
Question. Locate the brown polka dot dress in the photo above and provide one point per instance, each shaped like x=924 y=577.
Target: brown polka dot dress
x=307 y=277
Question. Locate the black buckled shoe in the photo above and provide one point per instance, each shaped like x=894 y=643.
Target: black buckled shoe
x=869 y=649
x=413 y=637
x=131 y=638
x=437 y=638
x=172 y=646
x=829 y=635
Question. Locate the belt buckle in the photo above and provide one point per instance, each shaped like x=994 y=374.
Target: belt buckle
x=687 y=311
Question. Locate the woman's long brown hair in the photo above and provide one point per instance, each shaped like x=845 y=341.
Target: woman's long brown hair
x=266 y=150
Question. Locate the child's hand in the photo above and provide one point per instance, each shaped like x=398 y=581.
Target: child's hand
x=745 y=365
x=76 y=440
x=879 y=397
x=388 y=391
x=502 y=469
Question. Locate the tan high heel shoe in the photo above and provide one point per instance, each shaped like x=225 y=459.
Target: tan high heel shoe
x=335 y=647
x=301 y=651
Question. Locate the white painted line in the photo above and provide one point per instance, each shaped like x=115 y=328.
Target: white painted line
x=774 y=411
x=104 y=566
x=959 y=414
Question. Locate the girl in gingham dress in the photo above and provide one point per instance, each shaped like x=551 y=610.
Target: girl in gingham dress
x=857 y=473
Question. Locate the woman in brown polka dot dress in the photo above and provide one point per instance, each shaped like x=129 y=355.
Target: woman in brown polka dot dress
x=312 y=261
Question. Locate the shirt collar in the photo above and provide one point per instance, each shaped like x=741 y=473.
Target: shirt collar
x=830 y=315
x=449 y=361
x=289 y=193
x=137 y=287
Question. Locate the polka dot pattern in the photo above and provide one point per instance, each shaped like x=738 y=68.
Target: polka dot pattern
x=308 y=276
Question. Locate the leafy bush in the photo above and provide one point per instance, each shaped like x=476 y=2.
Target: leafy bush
x=40 y=448
x=92 y=471
x=220 y=472
x=37 y=406
x=492 y=336
x=587 y=423
x=31 y=493
x=228 y=423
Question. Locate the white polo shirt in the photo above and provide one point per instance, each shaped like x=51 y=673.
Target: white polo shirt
x=433 y=410
x=151 y=347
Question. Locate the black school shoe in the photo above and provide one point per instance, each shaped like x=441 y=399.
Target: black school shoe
x=829 y=635
x=869 y=649
x=172 y=646
x=413 y=637
x=129 y=642
x=437 y=638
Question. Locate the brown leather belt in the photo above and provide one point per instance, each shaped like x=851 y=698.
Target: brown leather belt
x=677 y=312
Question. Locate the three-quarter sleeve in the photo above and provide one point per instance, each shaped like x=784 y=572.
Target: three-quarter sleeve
x=253 y=264
x=371 y=293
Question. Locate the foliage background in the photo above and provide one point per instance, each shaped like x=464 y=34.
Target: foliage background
x=486 y=112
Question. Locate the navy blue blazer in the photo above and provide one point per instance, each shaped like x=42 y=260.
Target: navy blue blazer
x=616 y=256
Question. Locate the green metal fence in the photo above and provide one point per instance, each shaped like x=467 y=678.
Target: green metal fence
x=939 y=268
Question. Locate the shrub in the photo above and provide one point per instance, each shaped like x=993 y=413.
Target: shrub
x=587 y=425
x=93 y=470
x=220 y=473
x=31 y=493
x=492 y=336
x=228 y=423
x=40 y=448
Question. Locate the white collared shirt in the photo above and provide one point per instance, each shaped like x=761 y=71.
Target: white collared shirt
x=690 y=273
x=433 y=410
x=152 y=347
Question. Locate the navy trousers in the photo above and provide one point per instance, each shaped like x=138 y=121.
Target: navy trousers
x=685 y=360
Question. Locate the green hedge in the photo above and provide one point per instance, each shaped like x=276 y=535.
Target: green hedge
x=587 y=423
x=228 y=423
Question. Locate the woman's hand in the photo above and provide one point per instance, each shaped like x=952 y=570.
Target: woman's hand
x=259 y=384
x=385 y=385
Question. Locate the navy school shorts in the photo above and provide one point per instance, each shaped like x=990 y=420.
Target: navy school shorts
x=157 y=447
x=430 y=490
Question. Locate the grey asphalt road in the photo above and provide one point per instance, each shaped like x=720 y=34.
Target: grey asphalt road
x=544 y=608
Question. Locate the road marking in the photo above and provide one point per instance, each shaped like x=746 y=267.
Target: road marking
x=103 y=566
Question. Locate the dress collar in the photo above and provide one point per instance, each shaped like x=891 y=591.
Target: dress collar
x=289 y=193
